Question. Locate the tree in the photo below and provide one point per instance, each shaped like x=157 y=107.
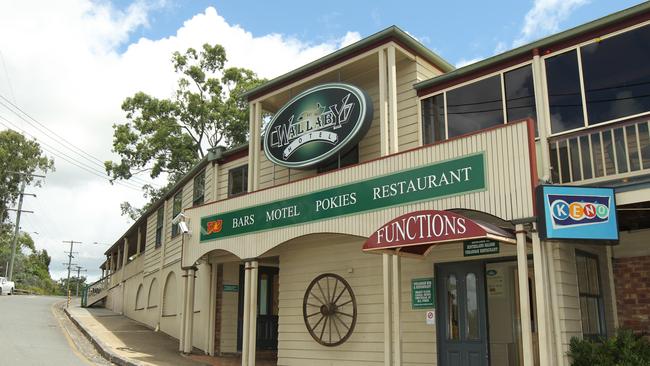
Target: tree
x=18 y=155
x=170 y=135
x=31 y=266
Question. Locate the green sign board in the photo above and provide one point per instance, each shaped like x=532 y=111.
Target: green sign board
x=480 y=247
x=448 y=178
x=317 y=124
x=422 y=293
x=230 y=288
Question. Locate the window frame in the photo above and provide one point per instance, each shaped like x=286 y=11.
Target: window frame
x=178 y=195
x=601 y=303
x=444 y=91
x=198 y=200
x=160 y=225
x=338 y=163
x=576 y=48
x=244 y=181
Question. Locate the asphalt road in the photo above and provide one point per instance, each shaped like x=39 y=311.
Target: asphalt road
x=32 y=333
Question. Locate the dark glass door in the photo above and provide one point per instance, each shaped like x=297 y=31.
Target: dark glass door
x=461 y=314
x=267 y=308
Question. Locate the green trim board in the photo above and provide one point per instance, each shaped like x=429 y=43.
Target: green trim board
x=425 y=183
x=423 y=294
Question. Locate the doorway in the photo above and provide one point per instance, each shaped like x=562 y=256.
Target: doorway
x=268 y=291
x=473 y=295
x=461 y=316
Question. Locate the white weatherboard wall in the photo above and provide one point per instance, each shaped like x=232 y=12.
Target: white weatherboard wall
x=302 y=259
x=508 y=193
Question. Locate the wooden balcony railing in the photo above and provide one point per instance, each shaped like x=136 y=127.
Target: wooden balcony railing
x=605 y=153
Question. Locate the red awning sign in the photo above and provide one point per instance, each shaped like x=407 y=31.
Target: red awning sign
x=417 y=231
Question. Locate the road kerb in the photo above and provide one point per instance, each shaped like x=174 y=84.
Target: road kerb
x=101 y=347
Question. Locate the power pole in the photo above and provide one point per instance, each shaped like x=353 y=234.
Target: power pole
x=17 y=230
x=79 y=278
x=18 y=212
x=70 y=256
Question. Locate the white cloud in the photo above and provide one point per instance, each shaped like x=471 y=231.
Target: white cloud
x=545 y=18
x=66 y=70
x=464 y=62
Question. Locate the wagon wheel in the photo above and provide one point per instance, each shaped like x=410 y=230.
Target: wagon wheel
x=329 y=309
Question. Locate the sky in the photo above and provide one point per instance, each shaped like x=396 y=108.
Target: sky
x=66 y=66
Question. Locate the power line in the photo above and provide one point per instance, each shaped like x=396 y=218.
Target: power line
x=54 y=151
x=66 y=143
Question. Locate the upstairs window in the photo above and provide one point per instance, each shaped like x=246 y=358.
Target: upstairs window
x=198 y=195
x=433 y=113
x=177 y=206
x=160 y=219
x=564 y=96
x=617 y=76
x=238 y=181
x=479 y=105
x=349 y=158
x=520 y=95
x=610 y=75
x=591 y=298
x=474 y=107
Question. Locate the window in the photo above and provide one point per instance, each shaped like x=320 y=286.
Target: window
x=433 y=111
x=474 y=107
x=176 y=209
x=453 y=324
x=479 y=105
x=198 y=194
x=160 y=219
x=520 y=94
x=591 y=302
x=349 y=158
x=238 y=181
x=564 y=96
x=617 y=76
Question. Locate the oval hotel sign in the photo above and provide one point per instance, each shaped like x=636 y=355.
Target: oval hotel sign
x=317 y=124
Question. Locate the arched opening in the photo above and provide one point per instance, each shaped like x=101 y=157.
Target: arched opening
x=139 y=298
x=169 y=295
x=152 y=297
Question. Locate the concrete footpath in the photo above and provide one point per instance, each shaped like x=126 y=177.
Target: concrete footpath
x=126 y=342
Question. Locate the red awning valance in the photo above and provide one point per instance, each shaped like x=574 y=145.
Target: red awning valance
x=416 y=232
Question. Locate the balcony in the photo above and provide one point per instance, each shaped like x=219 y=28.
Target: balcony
x=609 y=153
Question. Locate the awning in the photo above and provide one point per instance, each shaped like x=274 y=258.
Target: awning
x=417 y=232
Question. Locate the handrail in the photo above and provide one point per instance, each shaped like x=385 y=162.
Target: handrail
x=94 y=289
x=602 y=153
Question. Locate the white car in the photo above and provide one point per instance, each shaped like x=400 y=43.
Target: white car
x=6 y=286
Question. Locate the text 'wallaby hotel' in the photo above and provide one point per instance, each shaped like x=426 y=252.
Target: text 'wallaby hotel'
x=397 y=211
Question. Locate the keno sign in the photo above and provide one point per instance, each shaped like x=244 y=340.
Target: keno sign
x=577 y=213
x=318 y=124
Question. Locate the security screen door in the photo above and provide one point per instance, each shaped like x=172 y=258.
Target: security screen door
x=461 y=314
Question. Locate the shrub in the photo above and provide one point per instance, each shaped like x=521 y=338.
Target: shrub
x=623 y=349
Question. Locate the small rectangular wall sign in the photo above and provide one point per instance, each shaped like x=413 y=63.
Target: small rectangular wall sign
x=230 y=288
x=422 y=293
x=480 y=247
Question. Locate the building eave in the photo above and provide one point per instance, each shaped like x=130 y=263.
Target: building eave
x=384 y=36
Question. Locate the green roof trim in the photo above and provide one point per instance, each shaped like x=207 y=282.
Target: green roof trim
x=386 y=34
x=542 y=43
